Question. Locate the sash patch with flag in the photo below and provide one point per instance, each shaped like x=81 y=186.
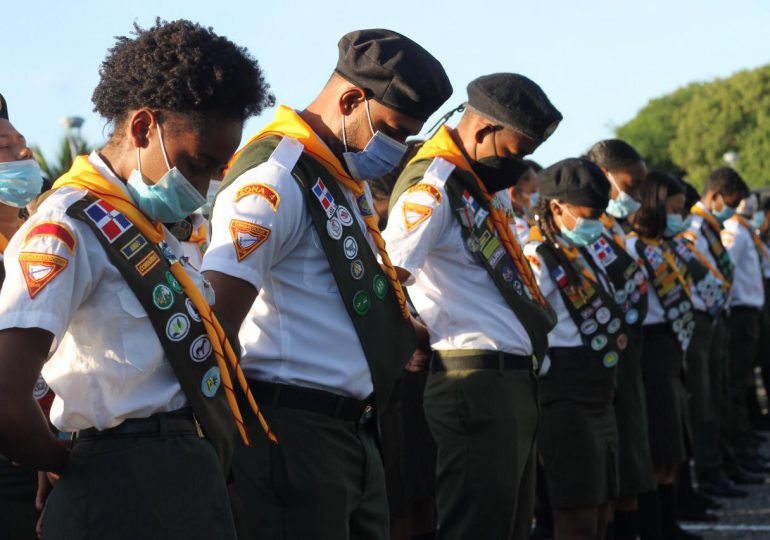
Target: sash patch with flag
x=603 y=251
x=111 y=222
x=470 y=201
x=262 y=191
x=54 y=230
x=559 y=276
x=40 y=269
x=325 y=198
x=414 y=214
x=247 y=237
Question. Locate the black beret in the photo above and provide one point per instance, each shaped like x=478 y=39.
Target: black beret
x=395 y=71
x=517 y=101
x=691 y=195
x=3 y=108
x=575 y=181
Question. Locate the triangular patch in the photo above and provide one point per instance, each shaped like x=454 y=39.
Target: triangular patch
x=39 y=269
x=247 y=237
x=414 y=214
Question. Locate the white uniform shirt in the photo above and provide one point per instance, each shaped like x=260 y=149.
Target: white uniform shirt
x=298 y=330
x=452 y=292
x=107 y=363
x=655 y=314
x=520 y=227
x=748 y=289
x=701 y=244
x=565 y=333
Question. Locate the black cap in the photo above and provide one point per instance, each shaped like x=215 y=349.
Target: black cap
x=515 y=100
x=691 y=195
x=395 y=71
x=575 y=181
x=3 y=107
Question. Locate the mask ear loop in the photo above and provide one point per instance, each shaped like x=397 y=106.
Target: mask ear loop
x=139 y=159
x=369 y=116
x=163 y=146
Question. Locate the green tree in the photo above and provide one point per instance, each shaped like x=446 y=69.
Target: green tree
x=53 y=168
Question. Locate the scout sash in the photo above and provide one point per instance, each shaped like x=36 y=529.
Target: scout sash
x=472 y=212
x=595 y=313
x=710 y=229
x=614 y=228
x=710 y=285
x=627 y=279
x=145 y=267
x=670 y=287
x=762 y=252
x=387 y=338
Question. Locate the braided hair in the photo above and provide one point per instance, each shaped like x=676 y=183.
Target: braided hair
x=547 y=225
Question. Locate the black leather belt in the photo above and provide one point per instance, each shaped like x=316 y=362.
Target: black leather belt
x=181 y=422
x=457 y=360
x=312 y=400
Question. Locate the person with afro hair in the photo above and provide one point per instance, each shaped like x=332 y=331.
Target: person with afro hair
x=99 y=298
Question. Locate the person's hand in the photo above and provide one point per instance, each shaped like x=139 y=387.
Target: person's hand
x=45 y=482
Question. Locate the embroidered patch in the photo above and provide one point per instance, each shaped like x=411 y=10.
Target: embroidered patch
x=111 y=222
x=414 y=214
x=351 y=247
x=426 y=188
x=603 y=251
x=334 y=228
x=149 y=262
x=40 y=389
x=194 y=315
x=363 y=205
x=177 y=327
x=559 y=276
x=133 y=246
x=173 y=282
x=362 y=302
x=380 y=286
x=534 y=261
x=728 y=239
x=262 y=191
x=200 y=349
x=40 y=269
x=321 y=193
x=344 y=216
x=162 y=296
x=210 y=382
x=470 y=201
x=247 y=237
x=357 y=269
x=53 y=229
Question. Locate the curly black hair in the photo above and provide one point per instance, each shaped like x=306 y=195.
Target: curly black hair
x=181 y=67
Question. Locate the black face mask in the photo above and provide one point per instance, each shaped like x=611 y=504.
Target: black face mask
x=499 y=173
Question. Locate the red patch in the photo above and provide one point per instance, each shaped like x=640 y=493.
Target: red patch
x=53 y=229
x=40 y=269
x=247 y=237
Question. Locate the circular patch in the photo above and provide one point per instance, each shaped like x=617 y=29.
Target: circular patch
x=599 y=342
x=177 y=327
x=690 y=327
x=362 y=302
x=632 y=316
x=614 y=326
x=473 y=244
x=622 y=342
x=603 y=315
x=687 y=317
x=40 y=389
x=507 y=273
x=194 y=315
x=685 y=306
x=589 y=327
x=636 y=296
x=587 y=312
x=211 y=382
x=357 y=269
x=518 y=287
x=630 y=287
x=380 y=286
x=672 y=314
x=334 y=228
x=172 y=281
x=344 y=215
x=351 y=247
x=610 y=359
x=200 y=349
x=620 y=296
x=639 y=278
x=162 y=296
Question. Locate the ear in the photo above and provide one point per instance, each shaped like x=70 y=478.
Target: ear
x=482 y=131
x=351 y=98
x=139 y=126
x=555 y=207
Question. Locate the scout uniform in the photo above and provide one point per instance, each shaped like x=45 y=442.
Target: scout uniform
x=328 y=333
x=746 y=303
x=635 y=464
x=129 y=390
x=487 y=320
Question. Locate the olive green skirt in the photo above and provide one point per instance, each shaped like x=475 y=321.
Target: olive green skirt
x=578 y=437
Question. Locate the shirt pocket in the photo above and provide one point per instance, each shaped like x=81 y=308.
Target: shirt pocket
x=140 y=343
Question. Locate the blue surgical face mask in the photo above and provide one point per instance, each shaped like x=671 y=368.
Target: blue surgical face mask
x=380 y=155
x=20 y=182
x=758 y=219
x=623 y=205
x=724 y=214
x=585 y=231
x=170 y=199
x=674 y=225
x=534 y=198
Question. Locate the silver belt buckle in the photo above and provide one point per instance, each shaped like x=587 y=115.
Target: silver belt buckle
x=366 y=415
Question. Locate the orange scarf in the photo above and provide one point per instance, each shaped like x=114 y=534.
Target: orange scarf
x=84 y=176
x=288 y=123
x=442 y=145
x=609 y=223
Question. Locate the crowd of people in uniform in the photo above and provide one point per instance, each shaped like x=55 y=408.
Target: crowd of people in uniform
x=331 y=333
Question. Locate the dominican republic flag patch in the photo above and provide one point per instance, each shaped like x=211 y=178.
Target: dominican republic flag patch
x=111 y=222
x=470 y=201
x=603 y=251
x=559 y=276
x=325 y=198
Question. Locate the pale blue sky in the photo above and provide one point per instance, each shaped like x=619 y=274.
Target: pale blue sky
x=599 y=61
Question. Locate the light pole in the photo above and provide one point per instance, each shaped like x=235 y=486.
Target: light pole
x=72 y=123
x=731 y=157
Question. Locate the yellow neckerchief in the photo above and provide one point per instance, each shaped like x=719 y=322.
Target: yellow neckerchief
x=200 y=236
x=609 y=223
x=288 y=123
x=83 y=175
x=572 y=253
x=669 y=260
x=702 y=212
x=442 y=145
x=3 y=243
x=757 y=241
x=689 y=243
